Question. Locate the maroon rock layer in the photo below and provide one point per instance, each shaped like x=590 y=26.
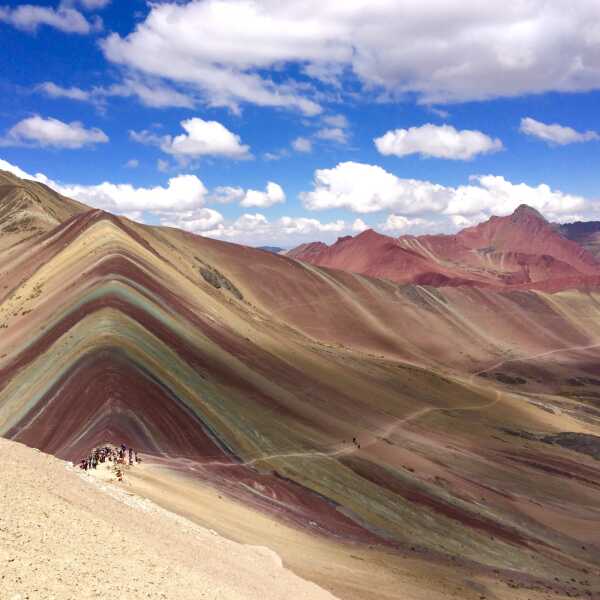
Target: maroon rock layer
x=520 y=251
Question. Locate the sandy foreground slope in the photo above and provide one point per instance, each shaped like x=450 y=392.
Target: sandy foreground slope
x=67 y=535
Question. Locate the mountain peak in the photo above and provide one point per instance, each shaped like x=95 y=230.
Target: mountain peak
x=367 y=234
x=525 y=212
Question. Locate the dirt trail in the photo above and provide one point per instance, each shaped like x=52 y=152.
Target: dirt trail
x=346 y=449
x=536 y=356
x=390 y=429
x=396 y=424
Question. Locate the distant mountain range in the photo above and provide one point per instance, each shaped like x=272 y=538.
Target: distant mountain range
x=519 y=251
x=273 y=249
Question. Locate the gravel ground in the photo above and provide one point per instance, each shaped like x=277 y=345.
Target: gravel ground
x=65 y=534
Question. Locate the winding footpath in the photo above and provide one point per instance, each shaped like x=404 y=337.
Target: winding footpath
x=377 y=437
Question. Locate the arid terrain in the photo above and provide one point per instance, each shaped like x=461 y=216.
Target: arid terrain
x=65 y=535
x=390 y=431
x=519 y=251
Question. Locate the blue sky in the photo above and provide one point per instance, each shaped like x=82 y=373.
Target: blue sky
x=264 y=122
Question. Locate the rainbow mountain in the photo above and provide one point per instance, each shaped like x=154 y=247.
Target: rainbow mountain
x=454 y=425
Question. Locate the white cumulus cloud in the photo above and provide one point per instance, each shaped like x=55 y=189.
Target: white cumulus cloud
x=495 y=195
x=227 y=194
x=364 y=188
x=359 y=225
x=42 y=131
x=439 y=141
x=462 y=221
x=15 y=170
x=554 y=133
x=196 y=221
x=412 y=205
x=451 y=51
x=273 y=194
x=184 y=192
x=286 y=231
x=200 y=43
x=396 y=223
x=201 y=138
x=305 y=225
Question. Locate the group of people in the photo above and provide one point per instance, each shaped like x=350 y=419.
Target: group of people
x=119 y=455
